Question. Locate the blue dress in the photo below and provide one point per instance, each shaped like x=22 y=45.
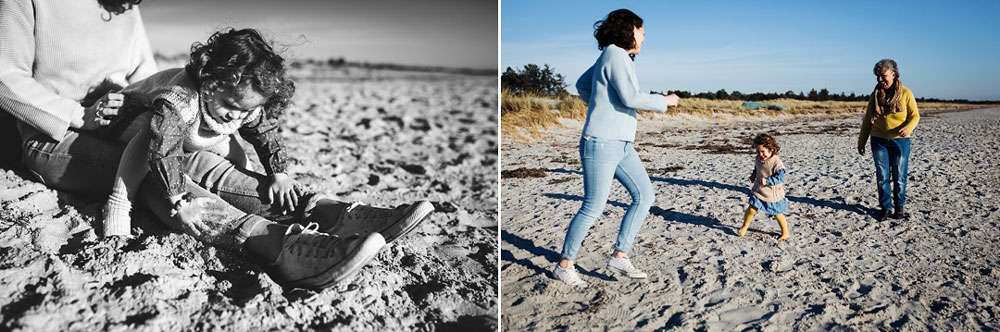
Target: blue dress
x=772 y=208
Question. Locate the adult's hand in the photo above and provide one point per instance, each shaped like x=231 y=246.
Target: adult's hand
x=100 y=113
x=861 y=150
x=904 y=132
x=672 y=100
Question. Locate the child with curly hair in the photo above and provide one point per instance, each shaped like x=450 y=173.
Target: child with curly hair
x=234 y=84
x=768 y=193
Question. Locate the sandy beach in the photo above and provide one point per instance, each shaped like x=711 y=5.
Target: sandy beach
x=840 y=270
x=377 y=137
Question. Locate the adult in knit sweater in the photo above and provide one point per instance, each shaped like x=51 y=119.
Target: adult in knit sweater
x=889 y=122
x=59 y=60
x=612 y=93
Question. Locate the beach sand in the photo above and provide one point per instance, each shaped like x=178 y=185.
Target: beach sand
x=840 y=270
x=376 y=137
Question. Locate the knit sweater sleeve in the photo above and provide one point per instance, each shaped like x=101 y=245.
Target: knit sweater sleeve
x=866 y=123
x=912 y=114
x=623 y=80
x=584 y=84
x=20 y=94
x=143 y=62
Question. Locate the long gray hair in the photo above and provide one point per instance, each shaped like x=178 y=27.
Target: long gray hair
x=886 y=64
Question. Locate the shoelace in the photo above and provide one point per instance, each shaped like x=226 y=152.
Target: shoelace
x=367 y=213
x=312 y=243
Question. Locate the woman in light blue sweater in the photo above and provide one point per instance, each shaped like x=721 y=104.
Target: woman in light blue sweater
x=612 y=94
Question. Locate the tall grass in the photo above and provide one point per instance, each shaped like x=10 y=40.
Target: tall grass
x=524 y=116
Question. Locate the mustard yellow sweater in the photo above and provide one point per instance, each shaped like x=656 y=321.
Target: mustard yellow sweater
x=888 y=126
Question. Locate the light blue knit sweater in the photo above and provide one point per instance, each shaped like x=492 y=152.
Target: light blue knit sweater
x=611 y=91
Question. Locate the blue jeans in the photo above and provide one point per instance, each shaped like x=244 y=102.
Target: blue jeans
x=604 y=160
x=892 y=158
x=85 y=164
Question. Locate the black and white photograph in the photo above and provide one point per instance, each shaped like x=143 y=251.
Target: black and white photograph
x=248 y=165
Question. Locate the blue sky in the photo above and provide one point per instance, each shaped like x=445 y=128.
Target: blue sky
x=451 y=33
x=944 y=49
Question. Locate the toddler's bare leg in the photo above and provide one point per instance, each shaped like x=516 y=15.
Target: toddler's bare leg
x=747 y=217
x=784 y=226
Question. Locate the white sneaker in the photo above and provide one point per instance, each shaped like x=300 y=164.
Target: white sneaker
x=624 y=265
x=569 y=276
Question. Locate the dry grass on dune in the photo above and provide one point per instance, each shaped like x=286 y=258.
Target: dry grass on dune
x=524 y=116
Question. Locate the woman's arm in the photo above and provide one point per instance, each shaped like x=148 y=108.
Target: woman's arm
x=621 y=77
x=584 y=84
x=142 y=53
x=866 y=125
x=912 y=114
x=20 y=94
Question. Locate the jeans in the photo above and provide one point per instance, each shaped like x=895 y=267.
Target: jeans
x=604 y=160
x=892 y=157
x=85 y=164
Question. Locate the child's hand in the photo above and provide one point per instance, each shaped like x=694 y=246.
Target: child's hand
x=285 y=190
x=188 y=210
x=763 y=181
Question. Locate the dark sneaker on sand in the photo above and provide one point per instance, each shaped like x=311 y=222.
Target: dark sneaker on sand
x=391 y=223
x=900 y=213
x=882 y=215
x=314 y=260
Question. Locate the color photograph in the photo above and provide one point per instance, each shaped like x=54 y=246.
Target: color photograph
x=761 y=166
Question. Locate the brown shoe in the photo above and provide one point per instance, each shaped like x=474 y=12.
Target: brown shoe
x=314 y=260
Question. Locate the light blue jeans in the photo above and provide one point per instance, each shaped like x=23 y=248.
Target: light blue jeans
x=604 y=160
x=892 y=158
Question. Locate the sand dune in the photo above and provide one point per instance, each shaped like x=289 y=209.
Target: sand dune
x=366 y=136
x=841 y=270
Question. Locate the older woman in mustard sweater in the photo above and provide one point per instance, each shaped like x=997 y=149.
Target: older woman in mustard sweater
x=889 y=121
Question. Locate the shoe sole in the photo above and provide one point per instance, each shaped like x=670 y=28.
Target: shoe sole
x=615 y=269
x=415 y=214
x=360 y=257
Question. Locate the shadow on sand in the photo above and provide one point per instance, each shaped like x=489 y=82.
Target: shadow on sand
x=855 y=208
x=551 y=256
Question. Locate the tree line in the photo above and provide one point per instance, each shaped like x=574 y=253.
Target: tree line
x=544 y=81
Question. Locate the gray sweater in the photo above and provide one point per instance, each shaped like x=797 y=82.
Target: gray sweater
x=57 y=56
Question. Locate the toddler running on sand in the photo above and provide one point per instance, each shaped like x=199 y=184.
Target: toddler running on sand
x=768 y=193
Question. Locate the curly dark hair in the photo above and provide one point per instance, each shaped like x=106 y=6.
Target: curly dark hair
x=233 y=57
x=118 y=7
x=768 y=142
x=617 y=28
